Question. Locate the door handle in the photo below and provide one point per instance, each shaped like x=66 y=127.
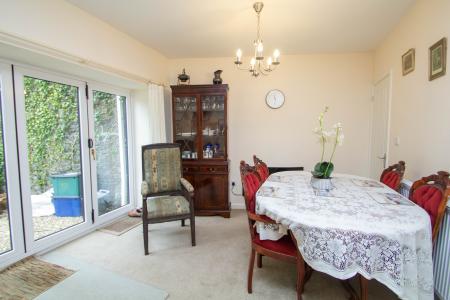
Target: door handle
x=93 y=153
x=382 y=157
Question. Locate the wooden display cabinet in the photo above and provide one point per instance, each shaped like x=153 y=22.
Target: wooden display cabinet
x=199 y=116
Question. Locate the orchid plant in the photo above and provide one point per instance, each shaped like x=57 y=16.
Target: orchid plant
x=335 y=136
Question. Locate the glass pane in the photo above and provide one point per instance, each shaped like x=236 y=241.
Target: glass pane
x=54 y=157
x=186 y=126
x=213 y=130
x=111 y=146
x=5 y=229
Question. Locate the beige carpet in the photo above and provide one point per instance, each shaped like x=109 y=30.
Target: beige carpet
x=122 y=225
x=215 y=269
x=29 y=278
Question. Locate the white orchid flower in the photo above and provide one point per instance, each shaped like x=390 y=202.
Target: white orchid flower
x=340 y=139
x=333 y=135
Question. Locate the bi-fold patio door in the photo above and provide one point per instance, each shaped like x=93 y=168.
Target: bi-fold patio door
x=64 y=158
x=11 y=229
x=52 y=134
x=109 y=135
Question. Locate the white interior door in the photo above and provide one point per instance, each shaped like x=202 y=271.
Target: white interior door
x=111 y=153
x=380 y=127
x=52 y=131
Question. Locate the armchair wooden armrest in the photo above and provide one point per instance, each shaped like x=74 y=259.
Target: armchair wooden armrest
x=260 y=218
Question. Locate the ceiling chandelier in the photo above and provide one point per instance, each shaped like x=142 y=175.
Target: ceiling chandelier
x=257 y=65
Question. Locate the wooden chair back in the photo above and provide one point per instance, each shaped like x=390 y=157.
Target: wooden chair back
x=393 y=175
x=261 y=168
x=250 y=184
x=432 y=193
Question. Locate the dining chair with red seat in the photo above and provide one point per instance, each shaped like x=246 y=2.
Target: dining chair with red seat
x=431 y=193
x=284 y=249
x=393 y=175
x=261 y=168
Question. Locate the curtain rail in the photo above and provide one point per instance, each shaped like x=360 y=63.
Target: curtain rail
x=17 y=41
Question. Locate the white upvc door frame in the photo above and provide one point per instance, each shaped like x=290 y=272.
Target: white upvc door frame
x=107 y=217
x=12 y=167
x=33 y=246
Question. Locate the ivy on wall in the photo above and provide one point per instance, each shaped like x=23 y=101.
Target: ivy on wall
x=53 y=133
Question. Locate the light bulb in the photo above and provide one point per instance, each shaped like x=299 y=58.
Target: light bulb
x=239 y=54
x=252 y=62
x=260 y=47
x=269 y=61
x=276 y=54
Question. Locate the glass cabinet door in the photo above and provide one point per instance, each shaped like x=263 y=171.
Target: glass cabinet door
x=213 y=126
x=186 y=126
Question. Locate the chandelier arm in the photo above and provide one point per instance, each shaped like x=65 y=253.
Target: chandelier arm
x=271 y=68
x=263 y=70
x=242 y=69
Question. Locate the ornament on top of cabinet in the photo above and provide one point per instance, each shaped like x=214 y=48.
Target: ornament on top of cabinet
x=217 y=79
x=275 y=99
x=184 y=78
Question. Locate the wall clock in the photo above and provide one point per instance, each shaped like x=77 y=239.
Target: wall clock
x=275 y=99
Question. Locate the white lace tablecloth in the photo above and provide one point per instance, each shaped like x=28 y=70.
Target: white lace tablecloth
x=361 y=226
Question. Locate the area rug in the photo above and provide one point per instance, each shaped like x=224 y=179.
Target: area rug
x=121 y=226
x=30 y=277
x=94 y=283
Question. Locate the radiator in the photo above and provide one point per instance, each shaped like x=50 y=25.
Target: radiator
x=441 y=257
x=441 y=251
x=405 y=186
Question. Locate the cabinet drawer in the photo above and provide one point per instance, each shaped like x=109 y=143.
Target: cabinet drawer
x=213 y=169
x=190 y=169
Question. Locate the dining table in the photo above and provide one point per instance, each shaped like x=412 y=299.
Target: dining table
x=360 y=226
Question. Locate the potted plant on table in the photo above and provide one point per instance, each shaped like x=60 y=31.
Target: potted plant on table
x=321 y=175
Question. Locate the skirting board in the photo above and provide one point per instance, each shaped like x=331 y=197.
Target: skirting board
x=237 y=205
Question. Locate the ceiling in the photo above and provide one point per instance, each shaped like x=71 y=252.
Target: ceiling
x=216 y=28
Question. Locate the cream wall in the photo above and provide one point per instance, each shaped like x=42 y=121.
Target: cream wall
x=62 y=26
x=284 y=137
x=420 y=108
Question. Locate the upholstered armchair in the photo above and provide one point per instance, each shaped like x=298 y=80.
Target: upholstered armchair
x=166 y=195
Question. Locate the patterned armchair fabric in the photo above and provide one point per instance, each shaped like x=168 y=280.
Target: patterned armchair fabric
x=165 y=206
x=162 y=169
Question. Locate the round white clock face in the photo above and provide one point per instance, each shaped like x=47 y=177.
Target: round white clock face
x=275 y=99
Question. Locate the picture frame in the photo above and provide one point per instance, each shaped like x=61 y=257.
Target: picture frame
x=438 y=59
x=408 y=61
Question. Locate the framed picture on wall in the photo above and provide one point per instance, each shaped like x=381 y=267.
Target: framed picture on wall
x=438 y=59
x=408 y=61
